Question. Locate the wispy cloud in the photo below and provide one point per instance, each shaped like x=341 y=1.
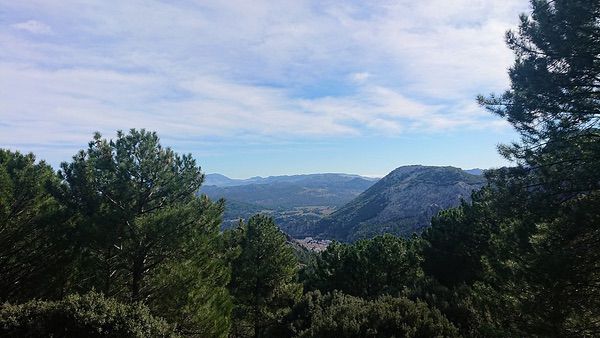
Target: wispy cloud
x=260 y=69
x=359 y=77
x=33 y=26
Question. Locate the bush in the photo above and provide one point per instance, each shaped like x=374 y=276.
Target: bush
x=90 y=315
x=341 y=315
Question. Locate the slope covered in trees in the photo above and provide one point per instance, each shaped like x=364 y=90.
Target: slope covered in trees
x=401 y=203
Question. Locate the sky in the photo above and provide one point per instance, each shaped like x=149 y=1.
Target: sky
x=259 y=88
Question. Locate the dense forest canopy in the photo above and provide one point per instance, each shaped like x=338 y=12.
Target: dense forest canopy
x=118 y=242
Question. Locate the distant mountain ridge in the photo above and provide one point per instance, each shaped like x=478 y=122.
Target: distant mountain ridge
x=295 y=201
x=289 y=191
x=475 y=171
x=401 y=203
x=312 y=179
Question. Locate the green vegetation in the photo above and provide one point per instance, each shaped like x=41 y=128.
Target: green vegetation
x=123 y=224
x=90 y=315
x=368 y=268
x=30 y=229
x=401 y=203
x=263 y=281
x=122 y=218
x=339 y=315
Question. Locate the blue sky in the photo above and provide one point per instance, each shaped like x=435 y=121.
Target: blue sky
x=260 y=87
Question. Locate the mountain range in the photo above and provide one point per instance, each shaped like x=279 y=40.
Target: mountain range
x=293 y=200
x=304 y=179
x=346 y=207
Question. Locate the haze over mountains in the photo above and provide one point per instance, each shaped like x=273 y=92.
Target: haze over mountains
x=294 y=201
x=311 y=179
x=289 y=191
x=343 y=206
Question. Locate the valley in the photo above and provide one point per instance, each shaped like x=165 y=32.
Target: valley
x=345 y=207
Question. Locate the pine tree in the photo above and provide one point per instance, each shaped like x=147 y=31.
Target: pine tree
x=264 y=276
x=553 y=99
x=338 y=315
x=554 y=104
x=384 y=265
x=31 y=247
x=143 y=234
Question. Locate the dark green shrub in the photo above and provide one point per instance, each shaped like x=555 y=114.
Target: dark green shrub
x=383 y=265
x=90 y=315
x=340 y=315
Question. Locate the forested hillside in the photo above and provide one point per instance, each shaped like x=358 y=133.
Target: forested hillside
x=401 y=203
x=118 y=242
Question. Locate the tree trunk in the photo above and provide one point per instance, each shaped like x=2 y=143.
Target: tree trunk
x=136 y=278
x=256 y=315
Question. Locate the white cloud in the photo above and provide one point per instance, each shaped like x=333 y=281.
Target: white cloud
x=260 y=69
x=34 y=27
x=359 y=77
